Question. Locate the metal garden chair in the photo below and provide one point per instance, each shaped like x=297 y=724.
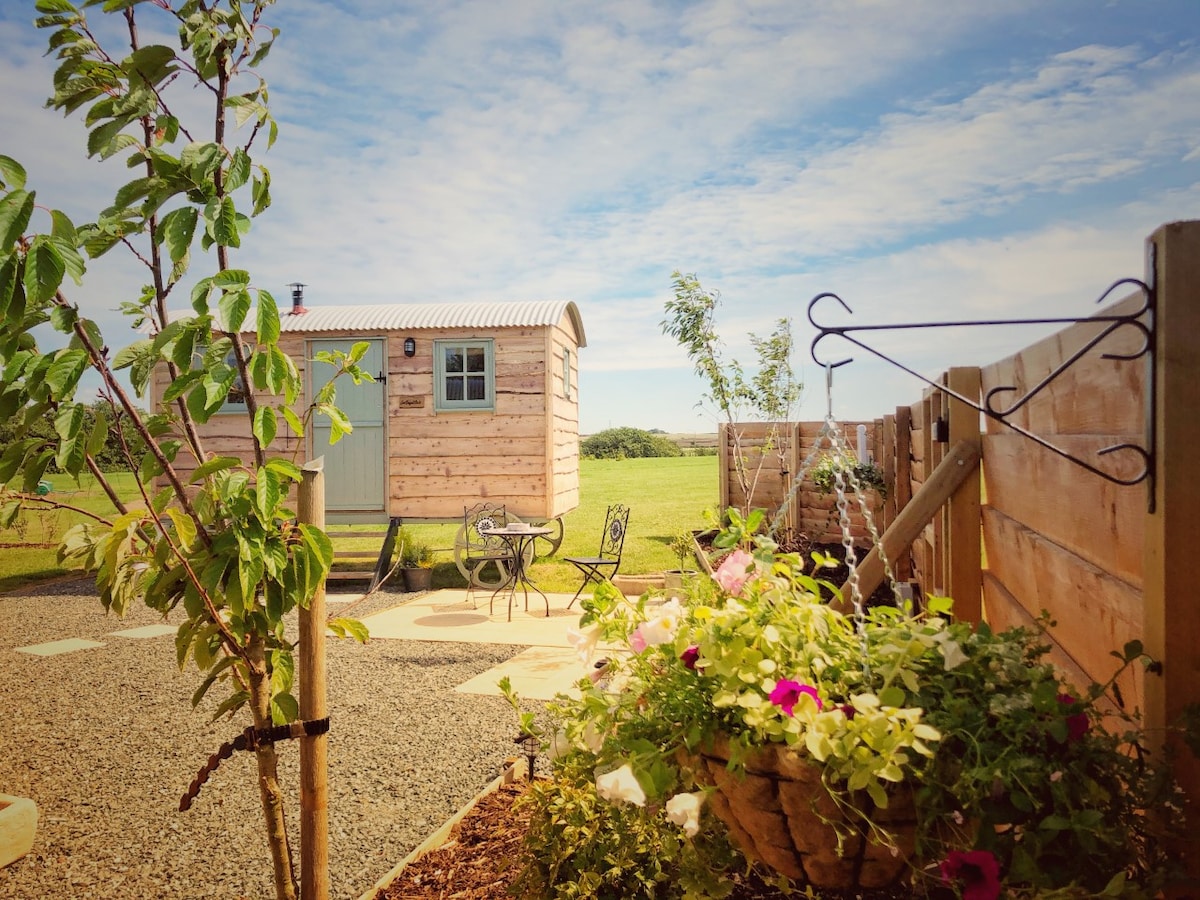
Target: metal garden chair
x=478 y=551
x=612 y=542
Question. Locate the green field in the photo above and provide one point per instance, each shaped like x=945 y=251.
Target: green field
x=664 y=495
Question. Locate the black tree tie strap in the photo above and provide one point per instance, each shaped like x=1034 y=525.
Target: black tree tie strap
x=250 y=739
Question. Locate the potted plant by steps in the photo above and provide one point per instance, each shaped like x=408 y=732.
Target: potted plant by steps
x=683 y=546
x=845 y=752
x=416 y=563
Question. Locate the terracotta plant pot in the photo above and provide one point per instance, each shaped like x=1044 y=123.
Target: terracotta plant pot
x=779 y=812
x=673 y=579
x=419 y=579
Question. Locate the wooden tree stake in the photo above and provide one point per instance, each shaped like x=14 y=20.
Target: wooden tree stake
x=314 y=762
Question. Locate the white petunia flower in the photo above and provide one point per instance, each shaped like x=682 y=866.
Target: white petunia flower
x=661 y=628
x=560 y=746
x=684 y=811
x=620 y=786
x=584 y=640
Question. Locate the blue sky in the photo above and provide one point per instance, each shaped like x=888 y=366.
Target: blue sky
x=924 y=159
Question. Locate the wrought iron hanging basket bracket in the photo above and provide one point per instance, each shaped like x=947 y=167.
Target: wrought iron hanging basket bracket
x=1002 y=401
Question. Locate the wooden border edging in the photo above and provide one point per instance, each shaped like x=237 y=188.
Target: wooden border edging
x=435 y=840
x=955 y=468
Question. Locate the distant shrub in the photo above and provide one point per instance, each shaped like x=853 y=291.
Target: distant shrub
x=627 y=443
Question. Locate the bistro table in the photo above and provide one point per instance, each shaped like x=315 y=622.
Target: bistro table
x=518 y=536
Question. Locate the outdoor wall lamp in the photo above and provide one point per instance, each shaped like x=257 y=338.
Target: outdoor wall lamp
x=410 y=346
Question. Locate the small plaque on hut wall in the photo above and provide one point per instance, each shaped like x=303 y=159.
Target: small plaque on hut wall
x=411 y=401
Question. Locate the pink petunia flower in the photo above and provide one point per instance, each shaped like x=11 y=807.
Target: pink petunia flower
x=637 y=640
x=689 y=657
x=787 y=694
x=977 y=871
x=734 y=571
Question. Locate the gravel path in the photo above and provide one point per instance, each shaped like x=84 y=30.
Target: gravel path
x=105 y=741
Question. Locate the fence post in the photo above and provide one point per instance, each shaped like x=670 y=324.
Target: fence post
x=964 y=541
x=314 y=763
x=1171 y=615
x=903 y=482
x=723 y=463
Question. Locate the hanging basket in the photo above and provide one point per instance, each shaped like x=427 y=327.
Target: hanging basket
x=778 y=812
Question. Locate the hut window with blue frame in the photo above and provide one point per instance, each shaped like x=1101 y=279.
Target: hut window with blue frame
x=464 y=375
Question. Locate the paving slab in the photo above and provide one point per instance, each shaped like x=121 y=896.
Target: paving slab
x=146 y=631
x=53 y=648
x=538 y=673
x=446 y=615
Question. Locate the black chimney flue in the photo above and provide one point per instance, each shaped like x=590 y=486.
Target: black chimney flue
x=297 y=299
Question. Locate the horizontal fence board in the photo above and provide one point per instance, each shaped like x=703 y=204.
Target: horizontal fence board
x=1002 y=611
x=1094 y=395
x=1096 y=612
x=1100 y=521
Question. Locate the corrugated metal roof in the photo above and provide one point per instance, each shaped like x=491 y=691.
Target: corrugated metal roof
x=397 y=316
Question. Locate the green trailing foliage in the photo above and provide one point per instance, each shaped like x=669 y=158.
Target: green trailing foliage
x=223 y=545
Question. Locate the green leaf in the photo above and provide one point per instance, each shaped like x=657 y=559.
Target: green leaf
x=266 y=494
x=892 y=696
x=181 y=385
x=200 y=295
x=12 y=174
x=63 y=318
x=231 y=278
x=10 y=283
x=265 y=425
x=35 y=469
x=48 y=7
x=234 y=306
x=99 y=436
x=293 y=420
x=268 y=318
x=177 y=228
x=15 y=209
x=9 y=513
x=261 y=192
x=319 y=544
x=225 y=224
x=72 y=261
x=127 y=356
x=238 y=172
x=344 y=627
x=64 y=373
x=61 y=226
x=44 y=270
x=231 y=704
x=218 y=464
x=284 y=709
x=103 y=141
x=152 y=62
x=224 y=663
x=284 y=468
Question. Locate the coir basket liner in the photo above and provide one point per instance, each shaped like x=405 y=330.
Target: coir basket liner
x=779 y=812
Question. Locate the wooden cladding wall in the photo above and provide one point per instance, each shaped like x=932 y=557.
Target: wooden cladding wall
x=524 y=453
x=1057 y=537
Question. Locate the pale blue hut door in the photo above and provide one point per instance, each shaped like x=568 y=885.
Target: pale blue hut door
x=355 y=467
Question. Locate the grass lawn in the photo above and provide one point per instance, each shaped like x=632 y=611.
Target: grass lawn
x=665 y=496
